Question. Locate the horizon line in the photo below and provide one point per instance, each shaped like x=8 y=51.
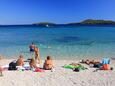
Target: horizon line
x=54 y=22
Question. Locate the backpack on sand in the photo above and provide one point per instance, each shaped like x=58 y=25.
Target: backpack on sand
x=12 y=66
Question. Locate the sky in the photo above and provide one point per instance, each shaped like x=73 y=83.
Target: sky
x=56 y=11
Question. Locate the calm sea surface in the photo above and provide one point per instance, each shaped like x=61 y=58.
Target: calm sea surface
x=60 y=43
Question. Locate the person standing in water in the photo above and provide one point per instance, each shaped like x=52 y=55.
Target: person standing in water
x=37 y=55
x=32 y=47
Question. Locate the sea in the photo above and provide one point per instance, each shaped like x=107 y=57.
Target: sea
x=70 y=42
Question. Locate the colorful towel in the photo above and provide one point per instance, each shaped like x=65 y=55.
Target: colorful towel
x=80 y=67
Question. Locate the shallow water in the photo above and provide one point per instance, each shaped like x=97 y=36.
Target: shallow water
x=60 y=43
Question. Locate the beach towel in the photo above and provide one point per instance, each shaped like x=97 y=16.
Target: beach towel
x=20 y=68
x=27 y=66
x=80 y=67
x=69 y=66
x=39 y=70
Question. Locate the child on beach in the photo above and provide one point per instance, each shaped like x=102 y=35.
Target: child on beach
x=48 y=65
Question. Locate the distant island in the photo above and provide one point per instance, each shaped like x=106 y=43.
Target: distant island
x=96 y=22
x=85 y=22
x=89 y=22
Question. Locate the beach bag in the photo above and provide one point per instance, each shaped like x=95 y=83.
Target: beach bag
x=105 y=67
x=12 y=66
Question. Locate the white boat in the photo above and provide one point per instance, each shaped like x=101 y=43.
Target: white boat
x=47 y=25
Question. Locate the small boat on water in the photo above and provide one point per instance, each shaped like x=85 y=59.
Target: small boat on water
x=47 y=25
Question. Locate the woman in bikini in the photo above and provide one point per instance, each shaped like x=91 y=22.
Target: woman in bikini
x=37 y=55
x=48 y=65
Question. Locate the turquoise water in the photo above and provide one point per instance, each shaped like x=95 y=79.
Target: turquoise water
x=60 y=43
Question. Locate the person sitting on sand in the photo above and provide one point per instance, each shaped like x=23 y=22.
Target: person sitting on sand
x=32 y=47
x=20 y=61
x=48 y=65
x=34 y=67
x=32 y=63
x=37 y=55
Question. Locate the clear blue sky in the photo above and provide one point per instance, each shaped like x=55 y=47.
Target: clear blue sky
x=58 y=11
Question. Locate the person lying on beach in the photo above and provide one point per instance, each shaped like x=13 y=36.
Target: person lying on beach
x=76 y=67
x=20 y=61
x=37 y=55
x=75 y=64
x=88 y=62
x=48 y=65
x=93 y=63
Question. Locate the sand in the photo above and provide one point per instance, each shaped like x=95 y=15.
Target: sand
x=60 y=77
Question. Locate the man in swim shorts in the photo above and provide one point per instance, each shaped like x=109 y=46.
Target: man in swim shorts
x=32 y=47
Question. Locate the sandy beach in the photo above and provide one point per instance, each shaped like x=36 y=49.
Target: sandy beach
x=60 y=77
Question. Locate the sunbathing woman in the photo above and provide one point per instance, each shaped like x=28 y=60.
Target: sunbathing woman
x=75 y=64
x=20 y=61
x=92 y=63
x=48 y=65
x=32 y=63
x=34 y=67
